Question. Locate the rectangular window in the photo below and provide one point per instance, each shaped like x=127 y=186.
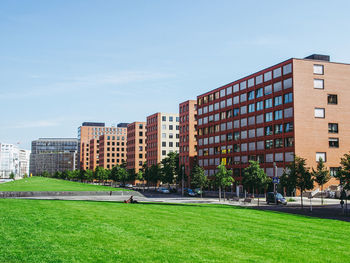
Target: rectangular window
x=229 y=90
x=236 y=148
x=268 y=90
x=229 y=102
x=260 y=105
x=268 y=144
x=243 y=134
x=229 y=136
x=268 y=130
x=333 y=127
x=236 y=136
x=251 y=108
x=250 y=82
x=287 y=69
x=318 y=69
x=278 y=100
x=333 y=171
x=288 y=98
x=277 y=73
x=268 y=103
x=163 y=144
x=235 y=88
x=171 y=118
x=243 y=109
x=321 y=155
x=319 y=113
x=243 y=85
x=288 y=127
x=222 y=93
x=278 y=115
x=259 y=79
x=318 y=84
x=243 y=97
x=332 y=99
x=259 y=92
x=279 y=143
x=333 y=142
x=278 y=128
x=288 y=142
x=277 y=86
x=251 y=120
x=267 y=76
x=251 y=95
x=235 y=112
x=163 y=153
x=287 y=83
x=268 y=116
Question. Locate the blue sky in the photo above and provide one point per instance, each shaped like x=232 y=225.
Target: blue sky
x=66 y=62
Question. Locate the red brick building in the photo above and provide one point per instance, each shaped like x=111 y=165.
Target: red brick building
x=136 y=145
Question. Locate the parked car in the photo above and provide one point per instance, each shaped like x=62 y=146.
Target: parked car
x=199 y=191
x=270 y=198
x=189 y=192
x=163 y=190
x=129 y=185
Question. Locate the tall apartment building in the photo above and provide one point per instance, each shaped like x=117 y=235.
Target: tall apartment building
x=53 y=154
x=13 y=160
x=188 y=134
x=93 y=130
x=162 y=136
x=94 y=153
x=112 y=149
x=136 y=145
x=299 y=106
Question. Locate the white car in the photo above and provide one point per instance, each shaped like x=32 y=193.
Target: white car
x=163 y=190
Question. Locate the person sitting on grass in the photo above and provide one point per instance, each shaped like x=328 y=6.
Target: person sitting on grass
x=130 y=200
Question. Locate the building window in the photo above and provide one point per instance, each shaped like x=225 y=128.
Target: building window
x=277 y=72
x=278 y=128
x=332 y=99
x=259 y=92
x=287 y=83
x=269 y=144
x=279 y=143
x=259 y=105
x=268 y=103
x=268 y=90
x=278 y=100
x=251 y=108
x=163 y=153
x=251 y=95
x=318 y=84
x=267 y=76
x=236 y=136
x=163 y=144
x=319 y=113
x=318 y=69
x=171 y=118
x=163 y=118
x=235 y=111
x=163 y=135
x=268 y=116
x=288 y=127
x=287 y=69
x=288 y=142
x=171 y=144
x=163 y=127
x=333 y=127
x=333 y=142
x=288 y=98
x=334 y=171
x=171 y=127
x=278 y=115
x=321 y=155
x=268 y=130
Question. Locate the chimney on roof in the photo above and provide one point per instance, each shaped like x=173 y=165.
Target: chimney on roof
x=319 y=57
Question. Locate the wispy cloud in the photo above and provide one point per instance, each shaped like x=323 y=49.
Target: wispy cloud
x=33 y=124
x=88 y=82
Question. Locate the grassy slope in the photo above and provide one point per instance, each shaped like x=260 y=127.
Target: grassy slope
x=49 y=184
x=81 y=231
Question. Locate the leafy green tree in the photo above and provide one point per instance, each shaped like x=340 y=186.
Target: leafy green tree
x=298 y=175
x=344 y=173
x=114 y=173
x=122 y=175
x=170 y=168
x=57 y=175
x=45 y=174
x=255 y=178
x=100 y=174
x=12 y=176
x=89 y=175
x=140 y=177
x=155 y=174
x=199 y=179
x=223 y=177
x=132 y=175
x=321 y=176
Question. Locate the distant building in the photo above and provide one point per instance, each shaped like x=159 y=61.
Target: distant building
x=53 y=154
x=162 y=136
x=188 y=134
x=112 y=150
x=136 y=145
x=13 y=160
x=93 y=130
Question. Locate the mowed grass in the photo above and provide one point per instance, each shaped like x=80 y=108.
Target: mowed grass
x=49 y=184
x=83 y=231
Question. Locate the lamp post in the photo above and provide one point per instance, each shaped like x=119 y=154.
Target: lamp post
x=182 y=181
x=274 y=184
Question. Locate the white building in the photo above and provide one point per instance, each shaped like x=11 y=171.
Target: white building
x=13 y=160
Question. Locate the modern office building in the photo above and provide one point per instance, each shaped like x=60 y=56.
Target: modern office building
x=13 y=160
x=112 y=149
x=53 y=154
x=299 y=106
x=188 y=135
x=162 y=136
x=136 y=145
x=94 y=153
x=93 y=130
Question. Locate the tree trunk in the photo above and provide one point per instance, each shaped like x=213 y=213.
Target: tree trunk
x=258 y=198
x=201 y=192
x=224 y=193
x=219 y=193
x=321 y=194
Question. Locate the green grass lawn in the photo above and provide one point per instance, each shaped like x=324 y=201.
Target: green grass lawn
x=50 y=184
x=83 y=231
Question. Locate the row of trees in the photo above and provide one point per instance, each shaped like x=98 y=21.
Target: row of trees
x=167 y=172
